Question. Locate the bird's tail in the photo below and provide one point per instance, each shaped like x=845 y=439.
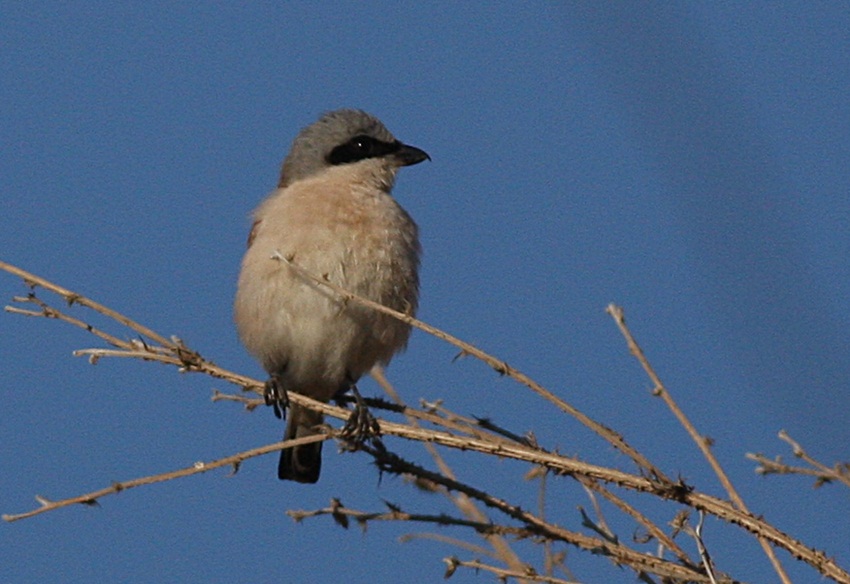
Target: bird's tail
x=302 y=463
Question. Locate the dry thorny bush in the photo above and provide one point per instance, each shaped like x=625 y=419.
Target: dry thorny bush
x=658 y=554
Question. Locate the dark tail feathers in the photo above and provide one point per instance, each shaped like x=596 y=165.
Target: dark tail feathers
x=302 y=464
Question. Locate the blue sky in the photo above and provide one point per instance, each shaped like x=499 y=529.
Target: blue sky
x=690 y=163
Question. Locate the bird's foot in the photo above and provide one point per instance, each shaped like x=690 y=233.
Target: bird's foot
x=361 y=425
x=274 y=394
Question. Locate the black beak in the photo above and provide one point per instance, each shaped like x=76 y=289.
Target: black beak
x=409 y=155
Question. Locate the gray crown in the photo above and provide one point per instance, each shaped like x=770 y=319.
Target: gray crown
x=309 y=151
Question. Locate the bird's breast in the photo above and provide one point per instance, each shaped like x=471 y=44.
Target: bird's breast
x=356 y=237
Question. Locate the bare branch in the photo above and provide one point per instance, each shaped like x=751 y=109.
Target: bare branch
x=454 y=563
x=451 y=430
x=617 y=552
x=32 y=281
x=702 y=443
x=498 y=365
x=197 y=468
x=461 y=501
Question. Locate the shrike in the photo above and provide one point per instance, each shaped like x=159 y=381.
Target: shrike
x=334 y=216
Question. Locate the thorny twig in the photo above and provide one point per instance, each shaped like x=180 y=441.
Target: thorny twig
x=840 y=472
x=458 y=433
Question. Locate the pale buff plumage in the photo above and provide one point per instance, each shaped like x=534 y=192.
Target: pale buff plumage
x=339 y=222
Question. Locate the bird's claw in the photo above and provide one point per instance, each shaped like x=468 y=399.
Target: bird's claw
x=361 y=424
x=275 y=396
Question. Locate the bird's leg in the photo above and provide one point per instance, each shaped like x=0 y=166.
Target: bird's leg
x=274 y=394
x=361 y=424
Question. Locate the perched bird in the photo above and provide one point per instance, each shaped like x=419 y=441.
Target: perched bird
x=332 y=215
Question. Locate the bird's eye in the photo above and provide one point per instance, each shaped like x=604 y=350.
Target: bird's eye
x=362 y=144
x=358 y=148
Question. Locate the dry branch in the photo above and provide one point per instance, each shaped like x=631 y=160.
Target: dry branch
x=435 y=425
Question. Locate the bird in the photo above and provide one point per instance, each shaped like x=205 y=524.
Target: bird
x=332 y=215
